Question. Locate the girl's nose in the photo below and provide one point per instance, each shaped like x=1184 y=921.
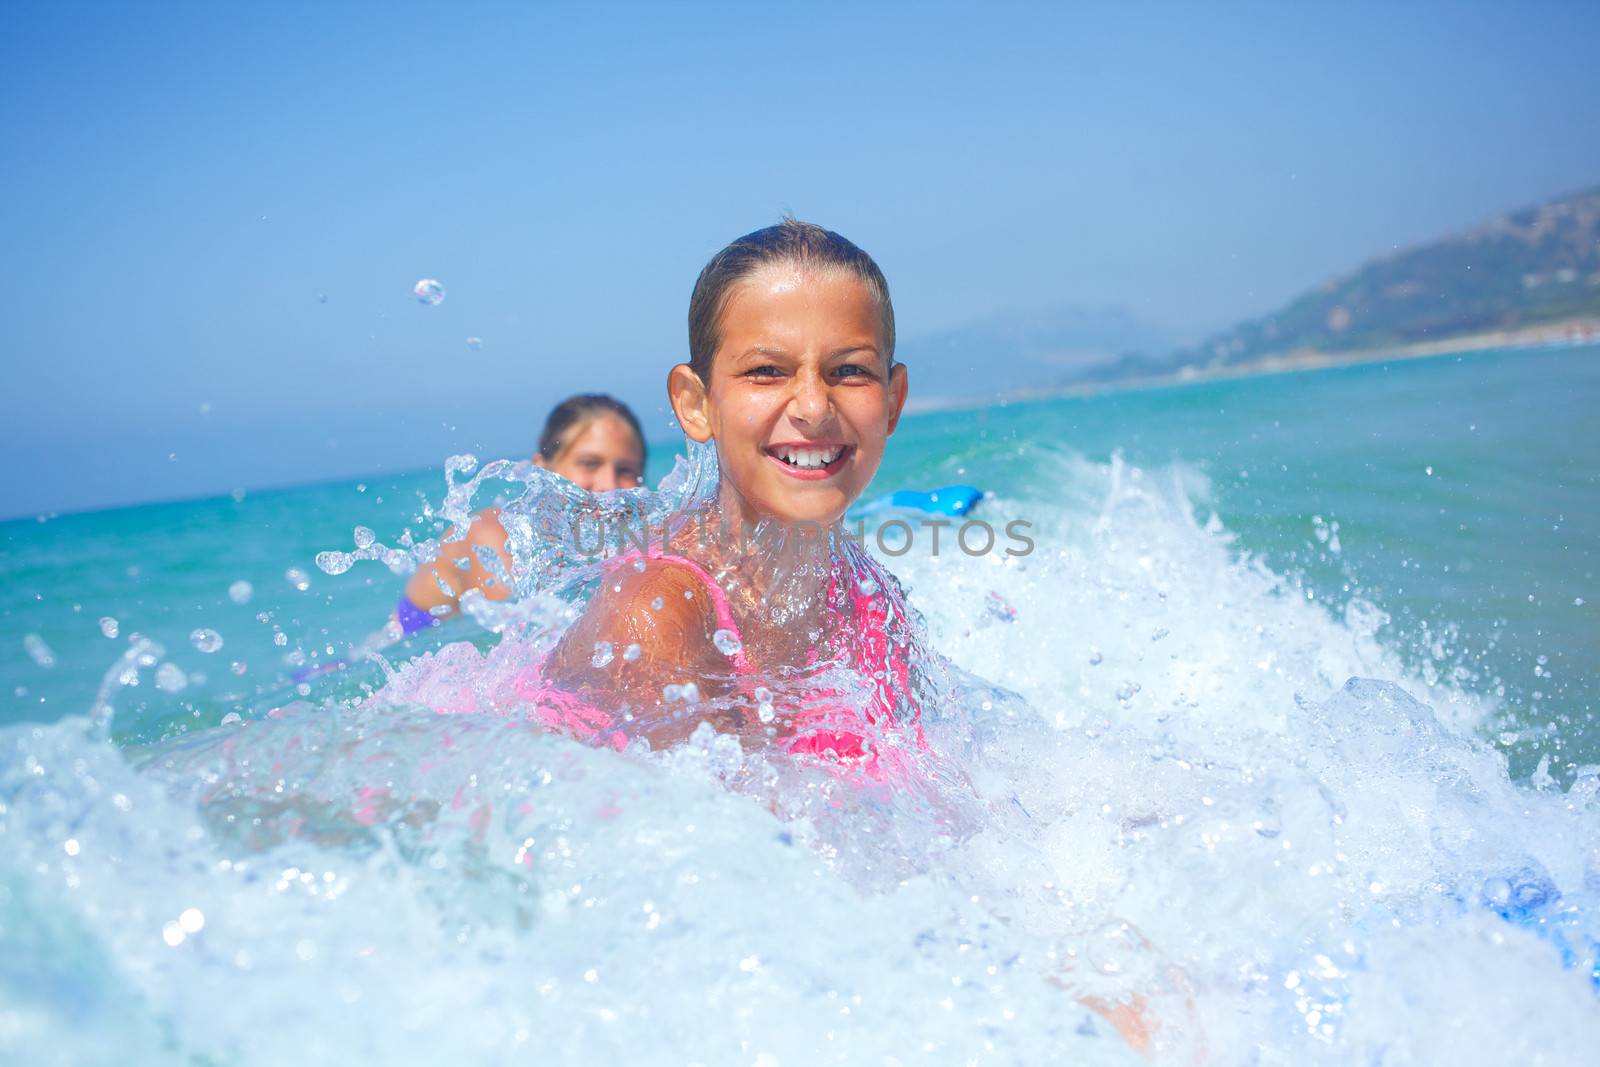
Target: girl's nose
x=810 y=401
x=605 y=480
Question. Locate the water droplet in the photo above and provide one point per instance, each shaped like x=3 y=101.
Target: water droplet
x=474 y=343
x=364 y=537
x=657 y=604
x=631 y=653
x=238 y=668
x=334 y=562
x=231 y=718
x=1428 y=471
x=204 y=639
x=298 y=578
x=38 y=651
x=108 y=626
x=602 y=654
x=171 y=679
x=280 y=639
x=727 y=642
x=429 y=291
x=192 y=921
x=241 y=591
x=1095 y=658
x=867 y=586
x=1161 y=631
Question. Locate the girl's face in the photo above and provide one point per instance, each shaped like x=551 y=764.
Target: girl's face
x=801 y=399
x=605 y=455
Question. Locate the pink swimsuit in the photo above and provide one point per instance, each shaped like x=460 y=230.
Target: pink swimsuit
x=827 y=729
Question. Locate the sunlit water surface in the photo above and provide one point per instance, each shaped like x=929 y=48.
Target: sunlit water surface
x=1201 y=745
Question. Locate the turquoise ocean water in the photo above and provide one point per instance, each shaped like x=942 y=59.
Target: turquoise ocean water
x=1459 y=495
x=1285 y=725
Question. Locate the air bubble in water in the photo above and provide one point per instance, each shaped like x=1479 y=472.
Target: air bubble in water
x=205 y=639
x=333 y=562
x=631 y=653
x=1095 y=658
x=764 y=709
x=298 y=578
x=429 y=291
x=171 y=679
x=602 y=654
x=727 y=642
x=241 y=591
x=108 y=626
x=364 y=537
x=867 y=586
x=38 y=651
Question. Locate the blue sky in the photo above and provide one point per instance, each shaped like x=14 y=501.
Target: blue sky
x=183 y=183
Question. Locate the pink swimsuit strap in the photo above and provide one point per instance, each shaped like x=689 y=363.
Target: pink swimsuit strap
x=719 y=599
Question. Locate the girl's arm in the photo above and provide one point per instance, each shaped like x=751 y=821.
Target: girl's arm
x=456 y=569
x=645 y=630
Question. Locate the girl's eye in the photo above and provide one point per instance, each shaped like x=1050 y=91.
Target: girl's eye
x=853 y=370
x=766 y=370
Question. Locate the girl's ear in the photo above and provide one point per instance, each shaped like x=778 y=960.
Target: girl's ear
x=690 y=404
x=897 y=394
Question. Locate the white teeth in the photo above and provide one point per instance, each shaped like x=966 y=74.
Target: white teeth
x=808 y=458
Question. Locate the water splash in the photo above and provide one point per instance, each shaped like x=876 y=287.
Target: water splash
x=1310 y=857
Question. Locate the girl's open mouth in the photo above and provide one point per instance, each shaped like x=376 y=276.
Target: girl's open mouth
x=810 y=460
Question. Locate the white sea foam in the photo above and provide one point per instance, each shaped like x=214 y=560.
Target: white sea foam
x=1259 y=809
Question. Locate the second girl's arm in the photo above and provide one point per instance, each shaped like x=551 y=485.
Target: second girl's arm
x=457 y=568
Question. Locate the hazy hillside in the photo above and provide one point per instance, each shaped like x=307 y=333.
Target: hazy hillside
x=1035 y=349
x=1537 y=265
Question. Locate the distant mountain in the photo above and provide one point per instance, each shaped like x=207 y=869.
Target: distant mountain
x=1018 y=351
x=1535 y=266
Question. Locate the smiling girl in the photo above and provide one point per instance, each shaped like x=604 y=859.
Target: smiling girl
x=792 y=379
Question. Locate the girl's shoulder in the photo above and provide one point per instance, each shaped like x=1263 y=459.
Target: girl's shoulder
x=647 y=610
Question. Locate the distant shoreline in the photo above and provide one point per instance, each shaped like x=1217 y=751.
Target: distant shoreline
x=1561 y=334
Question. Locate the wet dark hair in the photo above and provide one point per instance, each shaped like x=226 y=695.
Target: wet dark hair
x=790 y=241
x=576 y=412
